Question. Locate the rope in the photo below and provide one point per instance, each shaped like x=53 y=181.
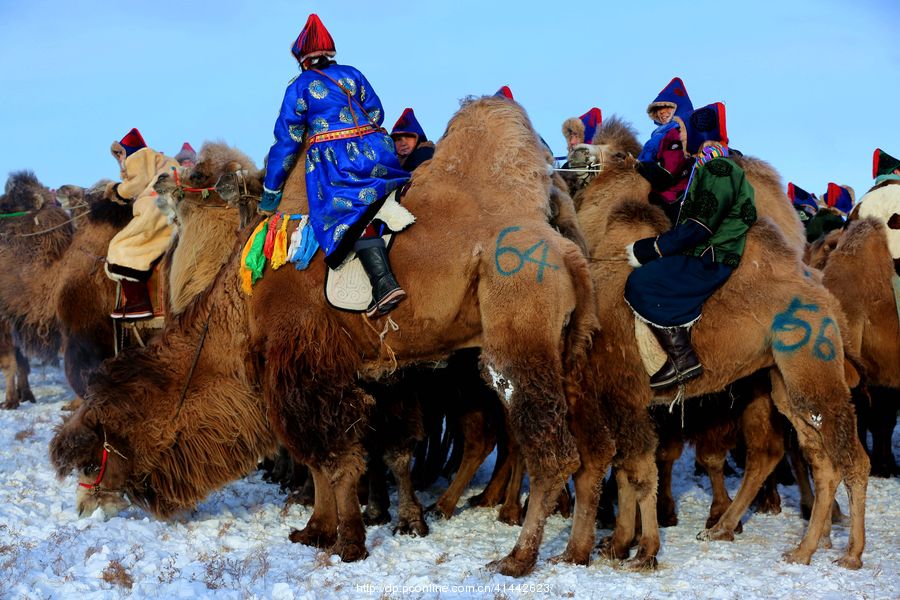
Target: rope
x=600 y=170
x=64 y=223
x=389 y=324
x=679 y=397
x=190 y=376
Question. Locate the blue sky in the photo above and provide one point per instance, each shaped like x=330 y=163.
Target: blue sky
x=809 y=86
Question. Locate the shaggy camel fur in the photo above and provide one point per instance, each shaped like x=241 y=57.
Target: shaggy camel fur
x=787 y=322
x=55 y=294
x=177 y=431
x=482 y=267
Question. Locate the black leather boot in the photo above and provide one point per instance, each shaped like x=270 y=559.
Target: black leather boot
x=682 y=363
x=386 y=292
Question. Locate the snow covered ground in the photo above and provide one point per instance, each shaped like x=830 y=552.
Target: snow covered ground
x=235 y=544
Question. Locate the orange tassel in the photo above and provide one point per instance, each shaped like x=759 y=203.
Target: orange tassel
x=246 y=273
x=279 y=252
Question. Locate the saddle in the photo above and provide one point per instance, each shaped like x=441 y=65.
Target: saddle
x=347 y=287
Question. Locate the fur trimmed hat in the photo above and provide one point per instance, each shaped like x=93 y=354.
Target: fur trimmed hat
x=313 y=41
x=801 y=199
x=187 y=152
x=407 y=124
x=706 y=124
x=840 y=198
x=674 y=95
x=883 y=163
x=583 y=127
x=131 y=143
x=504 y=92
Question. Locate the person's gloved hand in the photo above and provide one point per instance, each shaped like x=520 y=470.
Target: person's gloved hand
x=111 y=193
x=659 y=178
x=641 y=252
x=269 y=202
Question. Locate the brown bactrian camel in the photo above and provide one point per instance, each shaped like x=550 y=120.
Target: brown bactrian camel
x=858 y=271
x=482 y=267
x=715 y=434
x=55 y=294
x=770 y=314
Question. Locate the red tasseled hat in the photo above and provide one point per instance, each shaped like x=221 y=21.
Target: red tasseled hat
x=313 y=41
x=133 y=141
x=187 y=152
x=505 y=92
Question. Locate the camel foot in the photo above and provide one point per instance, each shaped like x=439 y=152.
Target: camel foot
x=713 y=521
x=511 y=567
x=667 y=519
x=377 y=517
x=415 y=527
x=10 y=405
x=716 y=534
x=350 y=550
x=27 y=396
x=439 y=511
x=825 y=542
x=770 y=505
x=641 y=563
x=572 y=557
x=849 y=562
x=483 y=500
x=609 y=551
x=797 y=557
x=313 y=537
x=510 y=516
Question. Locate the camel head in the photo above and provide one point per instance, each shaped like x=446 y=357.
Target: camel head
x=24 y=192
x=197 y=185
x=70 y=196
x=81 y=444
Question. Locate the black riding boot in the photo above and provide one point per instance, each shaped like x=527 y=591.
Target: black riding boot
x=386 y=292
x=682 y=363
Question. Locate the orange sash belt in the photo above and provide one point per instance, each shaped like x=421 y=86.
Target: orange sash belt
x=341 y=134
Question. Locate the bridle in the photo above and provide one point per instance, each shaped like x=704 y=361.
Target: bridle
x=107 y=448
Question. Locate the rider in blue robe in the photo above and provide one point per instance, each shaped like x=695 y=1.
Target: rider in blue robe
x=332 y=111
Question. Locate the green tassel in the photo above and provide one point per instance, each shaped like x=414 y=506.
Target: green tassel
x=256 y=260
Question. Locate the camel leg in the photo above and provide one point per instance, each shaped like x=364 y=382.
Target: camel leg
x=410 y=516
x=511 y=510
x=9 y=367
x=636 y=478
x=530 y=380
x=596 y=451
x=378 y=503
x=476 y=448
x=23 y=369
x=494 y=491
x=344 y=475
x=669 y=450
x=764 y=448
x=618 y=545
x=321 y=529
x=884 y=419
x=825 y=476
x=713 y=460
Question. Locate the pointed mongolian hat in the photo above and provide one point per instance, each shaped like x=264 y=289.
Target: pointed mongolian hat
x=187 y=152
x=128 y=145
x=592 y=120
x=839 y=197
x=802 y=199
x=407 y=124
x=313 y=41
x=674 y=95
x=504 y=92
x=883 y=163
x=706 y=124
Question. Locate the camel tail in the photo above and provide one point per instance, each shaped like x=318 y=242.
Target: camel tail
x=583 y=323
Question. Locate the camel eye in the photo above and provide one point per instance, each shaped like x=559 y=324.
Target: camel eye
x=90 y=470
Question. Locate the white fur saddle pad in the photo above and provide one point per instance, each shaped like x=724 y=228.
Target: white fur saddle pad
x=348 y=287
x=652 y=354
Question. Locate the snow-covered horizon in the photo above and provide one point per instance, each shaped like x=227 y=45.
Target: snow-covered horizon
x=235 y=544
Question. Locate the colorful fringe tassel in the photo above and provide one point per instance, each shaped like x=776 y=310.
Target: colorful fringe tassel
x=246 y=270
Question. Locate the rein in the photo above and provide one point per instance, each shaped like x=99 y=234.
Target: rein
x=55 y=227
x=181 y=189
x=107 y=448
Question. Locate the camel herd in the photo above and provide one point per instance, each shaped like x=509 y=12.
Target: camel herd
x=516 y=335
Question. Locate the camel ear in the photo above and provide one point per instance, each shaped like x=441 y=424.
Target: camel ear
x=75 y=443
x=851 y=374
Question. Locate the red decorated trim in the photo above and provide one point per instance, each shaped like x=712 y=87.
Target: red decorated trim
x=342 y=134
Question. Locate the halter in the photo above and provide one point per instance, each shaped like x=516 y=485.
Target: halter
x=107 y=448
x=181 y=189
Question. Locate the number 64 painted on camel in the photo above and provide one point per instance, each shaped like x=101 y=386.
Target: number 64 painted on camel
x=521 y=257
